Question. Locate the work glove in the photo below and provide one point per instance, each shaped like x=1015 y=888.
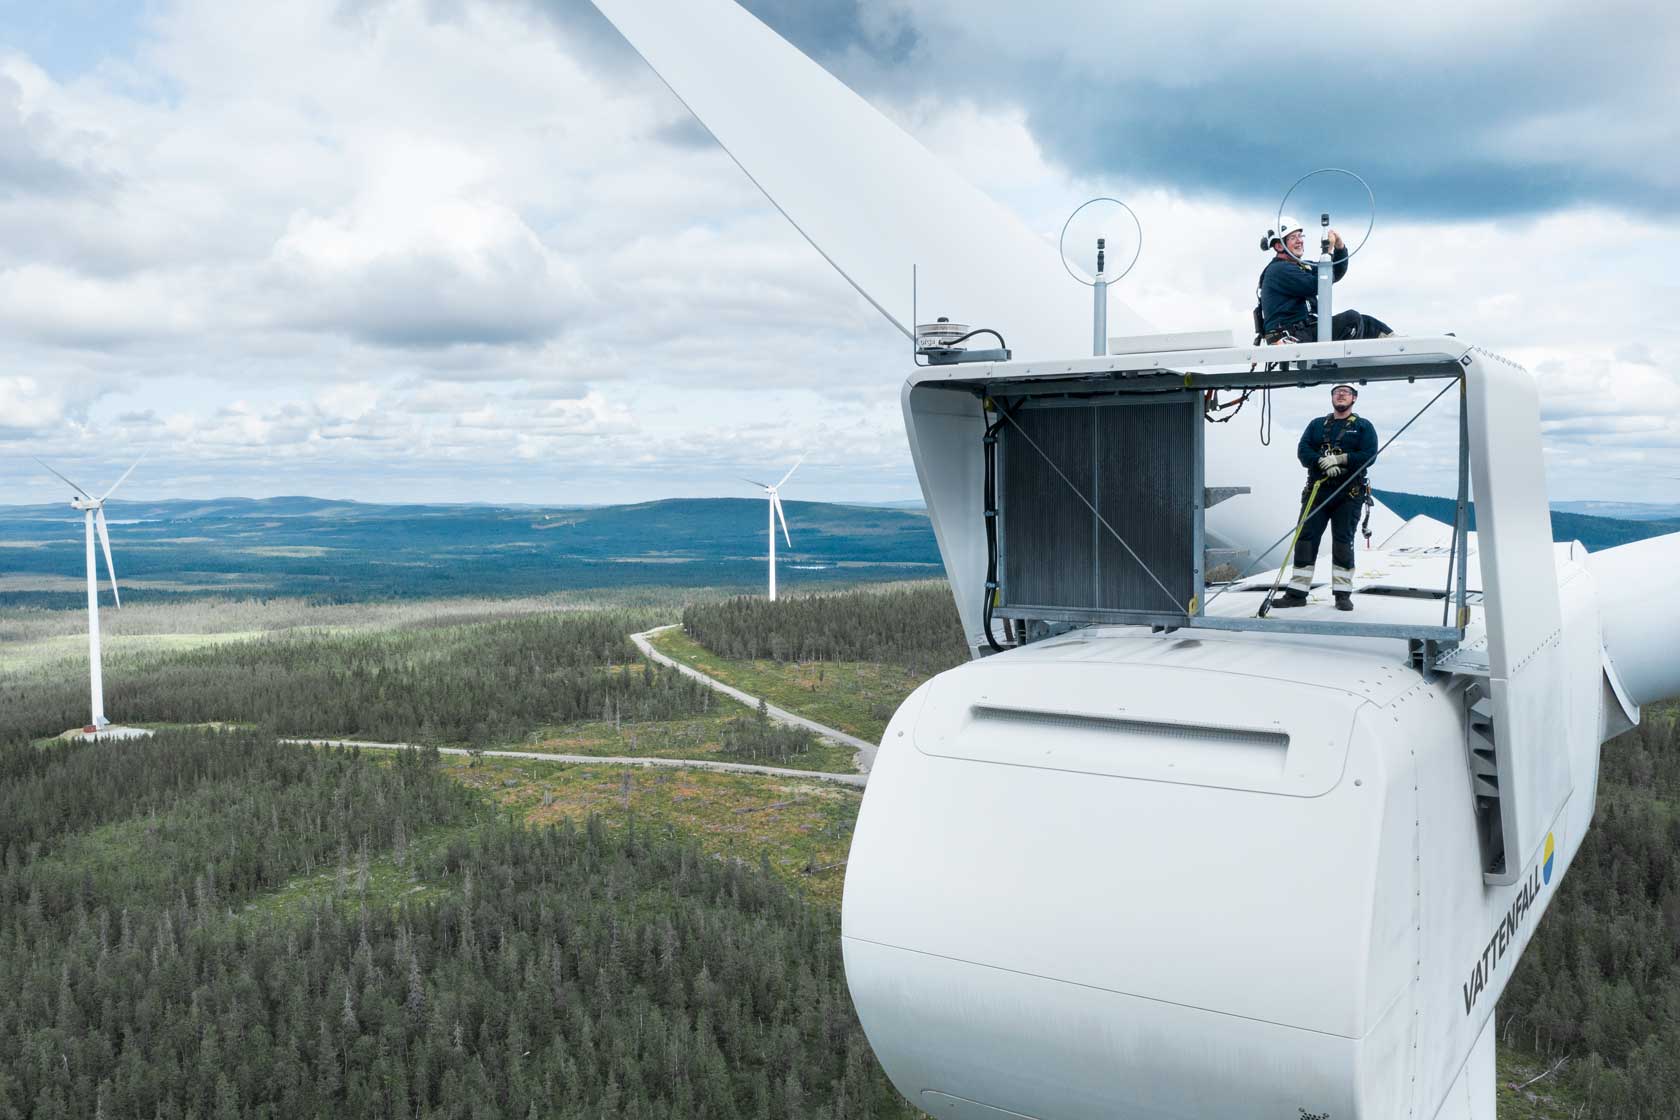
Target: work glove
x=1334 y=472
x=1331 y=459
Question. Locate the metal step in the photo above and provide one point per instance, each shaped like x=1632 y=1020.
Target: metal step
x=1213 y=495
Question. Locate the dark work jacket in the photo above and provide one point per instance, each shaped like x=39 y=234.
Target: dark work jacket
x=1289 y=290
x=1355 y=435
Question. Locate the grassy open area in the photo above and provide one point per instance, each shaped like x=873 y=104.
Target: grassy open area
x=1546 y=1099
x=383 y=880
x=802 y=829
x=857 y=697
x=690 y=737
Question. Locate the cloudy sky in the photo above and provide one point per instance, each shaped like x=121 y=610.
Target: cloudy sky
x=473 y=250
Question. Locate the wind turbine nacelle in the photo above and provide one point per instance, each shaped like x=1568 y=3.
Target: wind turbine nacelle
x=1080 y=887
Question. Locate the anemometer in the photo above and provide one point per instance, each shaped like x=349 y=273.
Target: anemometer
x=1100 y=280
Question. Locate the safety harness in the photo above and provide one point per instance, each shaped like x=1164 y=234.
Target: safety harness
x=1287 y=332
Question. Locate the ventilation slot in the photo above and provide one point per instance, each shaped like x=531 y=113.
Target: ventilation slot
x=1484 y=781
x=1134 y=728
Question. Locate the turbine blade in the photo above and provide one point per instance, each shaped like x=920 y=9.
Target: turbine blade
x=776 y=501
x=105 y=540
x=754 y=482
x=73 y=486
x=791 y=469
x=121 y=480
x=869 y=197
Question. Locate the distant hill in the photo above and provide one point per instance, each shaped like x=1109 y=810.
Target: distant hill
x=1594 y=532
x=346 y=551
x=1626 y=511
x=342 y=550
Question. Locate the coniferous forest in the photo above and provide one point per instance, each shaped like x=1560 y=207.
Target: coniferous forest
x=565 y=971
x=914 y=627
x=1600 y=982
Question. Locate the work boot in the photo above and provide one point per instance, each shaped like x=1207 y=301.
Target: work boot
x=1344 y=600
x=1289 y=599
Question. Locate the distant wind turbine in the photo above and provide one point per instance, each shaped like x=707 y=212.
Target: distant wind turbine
x=775 y=512
x=93 y=511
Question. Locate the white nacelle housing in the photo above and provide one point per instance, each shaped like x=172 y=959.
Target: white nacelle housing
x=1189 y=876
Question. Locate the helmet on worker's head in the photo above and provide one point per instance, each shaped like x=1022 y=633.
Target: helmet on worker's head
x=1286 y=226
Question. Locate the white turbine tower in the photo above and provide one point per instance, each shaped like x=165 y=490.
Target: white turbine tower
x=772 y=492
x=93 y=512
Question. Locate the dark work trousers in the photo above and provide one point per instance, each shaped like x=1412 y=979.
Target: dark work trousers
x=1344 y=325
x=1351 y=324
x=1342 y=516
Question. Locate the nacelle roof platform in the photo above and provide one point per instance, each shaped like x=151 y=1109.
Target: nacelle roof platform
x=1075 y=491
x=1395 y=358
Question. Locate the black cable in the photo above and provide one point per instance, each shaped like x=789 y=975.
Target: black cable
x=1266 y=416
x=1002 y=345
x=989 y=446
x=1211 y=405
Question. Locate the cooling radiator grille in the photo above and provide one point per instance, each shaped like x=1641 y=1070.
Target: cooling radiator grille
x=1139 y=465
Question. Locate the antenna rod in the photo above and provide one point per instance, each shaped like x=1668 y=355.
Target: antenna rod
x=1099 y=305
x=1326 y=278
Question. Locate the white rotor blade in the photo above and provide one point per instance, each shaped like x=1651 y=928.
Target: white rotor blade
x=105 y=540
x=871 y=199
x=776 y=503
x=121 y=480
x=791 y=469
x=754 y=482
x=73 y=486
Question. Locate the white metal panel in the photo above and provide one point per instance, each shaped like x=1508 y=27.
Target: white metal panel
x=1639 y=603
x=1524 y=619
x=1513 y=518
x=1035 y=1047
x=1076 y=720
x=870 y=198
x=1103 y=881
x=945 y=430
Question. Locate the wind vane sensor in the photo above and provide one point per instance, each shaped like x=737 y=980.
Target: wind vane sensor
x=1100 y=280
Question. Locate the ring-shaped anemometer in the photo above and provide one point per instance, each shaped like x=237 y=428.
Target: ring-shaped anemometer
x=1369 y=225
x=1061 y=241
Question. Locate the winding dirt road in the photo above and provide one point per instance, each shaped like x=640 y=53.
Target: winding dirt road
x=606 y=760
x=865 y=757
x=864 y=748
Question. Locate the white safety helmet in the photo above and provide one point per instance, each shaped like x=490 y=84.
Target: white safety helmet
x=1286 y=226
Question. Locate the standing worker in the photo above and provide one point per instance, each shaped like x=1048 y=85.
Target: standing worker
x=1332 y=448
x=1288 y=310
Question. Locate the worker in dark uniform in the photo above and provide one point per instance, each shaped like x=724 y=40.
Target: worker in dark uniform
x=1289 y=292
x=1332 y=448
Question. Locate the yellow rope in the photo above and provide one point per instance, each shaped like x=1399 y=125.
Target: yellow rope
x=1266 y=604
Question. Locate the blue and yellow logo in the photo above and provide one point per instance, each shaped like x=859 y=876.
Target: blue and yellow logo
x=1546 y=871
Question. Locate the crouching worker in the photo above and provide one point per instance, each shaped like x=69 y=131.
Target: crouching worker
x=1289 y=292
x=1332 y=448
